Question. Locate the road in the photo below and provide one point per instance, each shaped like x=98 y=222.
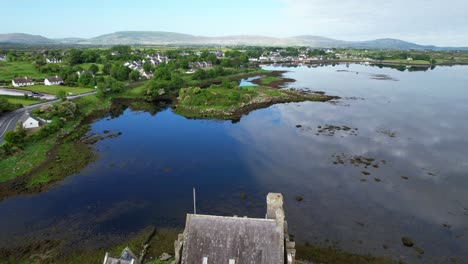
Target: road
x=16 y=92
x=8 y=120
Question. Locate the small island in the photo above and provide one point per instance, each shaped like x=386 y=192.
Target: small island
x=229 y=101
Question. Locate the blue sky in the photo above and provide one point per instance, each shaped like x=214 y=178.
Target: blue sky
x=421 y=21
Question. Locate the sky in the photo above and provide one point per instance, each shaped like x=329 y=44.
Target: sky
x=436 y=22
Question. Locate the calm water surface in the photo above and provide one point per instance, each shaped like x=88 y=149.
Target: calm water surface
x=412 y=123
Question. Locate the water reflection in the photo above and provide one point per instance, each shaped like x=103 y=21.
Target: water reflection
x=145 y=176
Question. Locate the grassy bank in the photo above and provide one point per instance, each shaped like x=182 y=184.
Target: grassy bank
x=18 y=100
x=46 y=160
x=53 y=89
x=10 y=70
x=52 y=251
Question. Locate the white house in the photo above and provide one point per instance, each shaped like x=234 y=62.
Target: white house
x=28 y=121
x=53 y=60
x=54 y=80
x=147 y=75
x=3 y=57
x=22 y=81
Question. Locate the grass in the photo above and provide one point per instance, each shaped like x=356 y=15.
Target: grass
x=215 y=97
x=34 y=153
x=135 y=91
x=10 y=70
x=21 y=100
x=53 y=89
x=70 y=158
x=91 y=102
x=269 y=79
x=159 y=241
x=85 y=66
x=408 y=62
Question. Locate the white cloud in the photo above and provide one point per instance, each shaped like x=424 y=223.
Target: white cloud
x=426 y=22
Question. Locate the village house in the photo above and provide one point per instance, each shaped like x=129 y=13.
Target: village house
x=53 y=60
x=54 y=80
x=156 y=59
x=3 y=57
x=219 y=239
x=200 y=65
x=219 y=54
x=147 y=75
x=22 y=81
x=28 y=121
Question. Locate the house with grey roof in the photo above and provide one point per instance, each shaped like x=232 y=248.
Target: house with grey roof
x=54 y=80
x=53 y=60
x=209 y=239
x=127 y=257
x=22 y=81
x=3 y=57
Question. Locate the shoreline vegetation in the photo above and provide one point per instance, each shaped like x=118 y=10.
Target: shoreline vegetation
x=151 y=242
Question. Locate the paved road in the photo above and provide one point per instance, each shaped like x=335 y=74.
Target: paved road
x=8 y=121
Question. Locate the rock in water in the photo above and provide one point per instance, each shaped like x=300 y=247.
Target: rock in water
x=407 y=241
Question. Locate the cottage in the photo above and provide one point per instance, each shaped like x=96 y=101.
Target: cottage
x=28 y=121
x=127 y=257
x=53 y=60
x=22 y=81
x=200 y=65
x=54 y=80
x=220 y=239
x=3 y=57
x=147 y=75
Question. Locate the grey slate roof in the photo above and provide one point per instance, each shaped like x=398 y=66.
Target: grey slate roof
x=55 y=79
x=246 y=240
x=23 y=80
x=127 y=257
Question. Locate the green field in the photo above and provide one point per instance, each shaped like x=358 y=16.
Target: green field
x=86 y=66
x=408 y=61
x=10 y=70
x=53 y=89
x=21 y=100
x=269 y=79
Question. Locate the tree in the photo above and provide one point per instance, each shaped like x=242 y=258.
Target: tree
x=106 y=69
x=147 y=67
x=86 y=79
x=75 y=57
x=16 y=138
x=134 y=75
x=62 y=95
x=93 y=68
x=200 y=75
x=120 y=72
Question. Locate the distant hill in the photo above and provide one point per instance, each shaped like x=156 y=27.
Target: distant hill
x=171 y=38
x=21 y=38
x=68 y=40
x=142 y=38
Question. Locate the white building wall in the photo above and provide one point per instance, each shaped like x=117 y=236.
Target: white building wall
x=30 y=123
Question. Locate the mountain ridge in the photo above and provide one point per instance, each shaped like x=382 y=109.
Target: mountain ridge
x=173 y=38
